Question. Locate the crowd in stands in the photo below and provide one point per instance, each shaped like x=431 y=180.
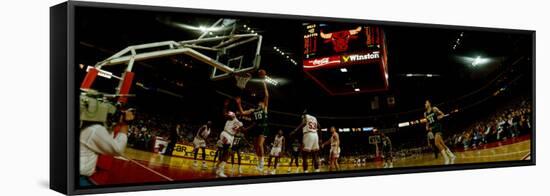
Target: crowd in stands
x=507 y=123
x=147 y=127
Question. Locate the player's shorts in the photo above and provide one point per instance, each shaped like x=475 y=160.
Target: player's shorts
x=310 y=141
x=335 y=151
x=236 y=148
x=386 y=152
x=199 y=143
x=275 y=151
x=432 y=142
x=260 y=130
x=295 y=154
x=436 y=128
x=226 y=138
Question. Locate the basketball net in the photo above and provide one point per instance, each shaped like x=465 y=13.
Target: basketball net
x=242 y=79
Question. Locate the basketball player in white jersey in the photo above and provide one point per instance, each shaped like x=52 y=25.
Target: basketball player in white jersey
x=276 y=150
x=334 y=149
x=310 y=141
x=232 y=126
x=199 y=142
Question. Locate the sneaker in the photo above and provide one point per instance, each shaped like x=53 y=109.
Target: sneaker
x=453 y=157
x=204 y=166
x=195 y=164
x=306 y=171
x=273 y=172
x=260 y=169
x=317 y=170
x=240 y=169
x=297 y=170
x=220 y=173
x=289 y=169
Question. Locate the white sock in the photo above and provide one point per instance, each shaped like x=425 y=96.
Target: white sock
x=444 y=154
x=261 y=162
x=222 y=166
x=449 y=152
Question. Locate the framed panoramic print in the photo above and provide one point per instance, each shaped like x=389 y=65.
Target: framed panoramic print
x=147 y=98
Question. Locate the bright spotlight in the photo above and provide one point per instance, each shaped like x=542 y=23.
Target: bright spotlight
x=477 y=61
x=343 y=70
x=271 y=81
x=203 y=29
x=357 y=89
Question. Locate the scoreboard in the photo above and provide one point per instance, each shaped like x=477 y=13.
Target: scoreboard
x=358 y=50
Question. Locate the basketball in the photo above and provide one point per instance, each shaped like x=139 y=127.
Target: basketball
x=262 y=73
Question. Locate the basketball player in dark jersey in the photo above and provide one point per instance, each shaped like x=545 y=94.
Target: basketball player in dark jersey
x=294 y=155
x=433 y=116
x=387 y=151
x=239 y=142
x=261 y=130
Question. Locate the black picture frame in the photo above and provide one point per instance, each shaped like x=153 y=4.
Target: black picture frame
x=64 y=93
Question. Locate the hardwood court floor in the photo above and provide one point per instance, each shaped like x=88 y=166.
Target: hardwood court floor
x=148 y=167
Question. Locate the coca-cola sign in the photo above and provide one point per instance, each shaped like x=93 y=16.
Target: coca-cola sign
x=346 y=59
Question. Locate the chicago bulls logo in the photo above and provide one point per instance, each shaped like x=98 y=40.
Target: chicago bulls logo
x=340 y=39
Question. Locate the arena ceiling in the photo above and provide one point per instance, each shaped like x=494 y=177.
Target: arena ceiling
x=423 y=63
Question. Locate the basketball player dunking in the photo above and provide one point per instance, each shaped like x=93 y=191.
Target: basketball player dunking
x=433 y=116
x=334 y=149
x=261 y=130
x=310 y=141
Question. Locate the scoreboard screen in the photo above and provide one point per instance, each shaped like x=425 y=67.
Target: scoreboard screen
x=358 y=50
x=321 y=40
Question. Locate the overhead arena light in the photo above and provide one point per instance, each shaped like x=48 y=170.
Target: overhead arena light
x=357 y=89
x=343 y=70
x=429 y=75
x=403 y=124
x=285 y=55
x=478 y=61
x=271 y=81
x=205 y=29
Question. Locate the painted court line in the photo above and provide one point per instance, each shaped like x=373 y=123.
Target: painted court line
x=149 y=169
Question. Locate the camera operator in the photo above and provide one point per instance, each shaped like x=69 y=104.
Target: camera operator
x=96 y=140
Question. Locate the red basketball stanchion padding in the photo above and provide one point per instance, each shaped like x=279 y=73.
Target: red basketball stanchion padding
x=125 y=86
x=89 y=79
